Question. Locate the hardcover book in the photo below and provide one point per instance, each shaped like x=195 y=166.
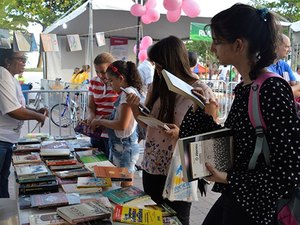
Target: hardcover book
x=84 y=212
x=61 y=162
x=66 y=167
x=215 y=147
x=90 y=182
x=73 y=173
x=72 y=188
x=38 y=187
x=47 y=219
x=180 y=87
x=134 y=215
x=30 y=158
x=115 y=173
x=28 y=170
x=153 y=122
x=49 y=200
x=123 y=195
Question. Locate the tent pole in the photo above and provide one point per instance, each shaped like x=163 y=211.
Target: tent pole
x=138 y=37
x=91 y=35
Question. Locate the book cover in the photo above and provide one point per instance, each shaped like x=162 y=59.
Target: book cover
x=141 y=202
x=153 y=122
x=49 y=43
x=134 y=215
x=30 y=158
x=49 y=200
x=84 y=212
x=61 y=162
x=171 y=220
x=115 y=173
x=85 y=129
x=180 y=87
x=95 y=196
x=47 y=219
x=95 y=157
x=24 y=201
x=72 y=188
x=90 y=166
x=26 y=149
x=27 y=170
x=36 y=178
x=4 y=39
x=22 y=41
x=55 y=152
x=66 y=167
x=67 y=181
x=100 y=38
x=74 y=43
x=43 y=136
x=90 y=182
x=66 y=137
x=38 y=187
x=24 y=141
x=55 y=145
x=164 y=208
x=124 y=194
x=215 y=147
x=73 y=173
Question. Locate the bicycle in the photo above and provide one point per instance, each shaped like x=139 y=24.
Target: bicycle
x=67 y=113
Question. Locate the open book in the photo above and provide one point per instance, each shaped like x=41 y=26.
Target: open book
x=215 y=147
x=152 y=122
x=180 y=87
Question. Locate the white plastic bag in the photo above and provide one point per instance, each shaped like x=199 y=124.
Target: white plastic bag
x=175 y=188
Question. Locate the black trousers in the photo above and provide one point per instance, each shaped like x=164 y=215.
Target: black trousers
x=102 y=144
x=154 y=186
x=226 y=211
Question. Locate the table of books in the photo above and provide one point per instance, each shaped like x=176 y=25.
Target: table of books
x=69 y=182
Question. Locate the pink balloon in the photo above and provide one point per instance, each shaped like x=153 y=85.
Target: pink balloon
x=146 y=42
x=134 y=49
x=172 y=5
x=150 y=4
x=142 y=55
x=137 y=10
x=146 y=19
x=173 y=16
x=191 y=8
x=153 y=14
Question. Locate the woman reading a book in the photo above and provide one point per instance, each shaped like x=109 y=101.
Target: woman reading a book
x=169 y=54
x=122 y=126
x=249 y=196
x=13 y=111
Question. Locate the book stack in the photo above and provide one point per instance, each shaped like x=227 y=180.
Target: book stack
x=47 y=219
x=23 y=149
x=214 y=147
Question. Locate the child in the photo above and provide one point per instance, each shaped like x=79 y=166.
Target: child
x=122 y=126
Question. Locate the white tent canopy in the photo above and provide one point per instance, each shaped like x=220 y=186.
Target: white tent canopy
x=113 y=17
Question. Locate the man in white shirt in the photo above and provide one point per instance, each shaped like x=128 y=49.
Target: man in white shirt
x=146 y=71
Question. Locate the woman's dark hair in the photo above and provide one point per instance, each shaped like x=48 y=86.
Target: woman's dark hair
x=193 y=57
x=258 y=26
x=127 y=69
x=5 y=54
x=171 y=54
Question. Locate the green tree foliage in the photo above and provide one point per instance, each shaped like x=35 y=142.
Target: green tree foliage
x=289 y=9
x=203 y=50
x=43 y=12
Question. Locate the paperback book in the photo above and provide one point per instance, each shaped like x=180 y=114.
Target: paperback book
x=25 y=141
x=55 y=152
x=72 y=188
x=180 y=87
x=91 y=182
x=73 y=173
x=47 y=219
x=67 y=167
x=49 y=200
x=153 y=122
x=115 y=173
x=61 y=162
x=124 y=194
x=29 y=158
x=94 y=157
x=84 y=212
x=164 y=208
x=55 y=145
x=38 y=187
x=134 y=215
x=26 y=149
x=90 y=166
x=23 y=170
x=215 y=147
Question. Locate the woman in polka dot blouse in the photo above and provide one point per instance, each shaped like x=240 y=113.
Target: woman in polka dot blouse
x=246 y=38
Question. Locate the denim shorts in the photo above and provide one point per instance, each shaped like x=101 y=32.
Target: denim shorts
x=125 y=152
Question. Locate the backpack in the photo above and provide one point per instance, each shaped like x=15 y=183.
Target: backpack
x=288 y=211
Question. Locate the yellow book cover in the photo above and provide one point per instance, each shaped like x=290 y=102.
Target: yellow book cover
x=134 y=215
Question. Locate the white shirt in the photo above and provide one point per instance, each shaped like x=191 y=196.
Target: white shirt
x=146 y=71
x=133 y=123
x=11 y=98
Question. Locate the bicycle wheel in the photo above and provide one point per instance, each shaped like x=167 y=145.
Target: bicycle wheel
x=61 y=115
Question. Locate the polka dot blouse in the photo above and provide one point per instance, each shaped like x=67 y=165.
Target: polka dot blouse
x=258 y=190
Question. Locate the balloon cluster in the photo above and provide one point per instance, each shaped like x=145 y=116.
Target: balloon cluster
x=148 y=13
x=190 y=7
x=144 y=45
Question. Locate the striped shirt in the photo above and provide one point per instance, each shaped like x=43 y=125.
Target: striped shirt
x=104 y=97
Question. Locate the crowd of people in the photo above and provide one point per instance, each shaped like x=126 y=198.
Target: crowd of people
x=251 y=46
